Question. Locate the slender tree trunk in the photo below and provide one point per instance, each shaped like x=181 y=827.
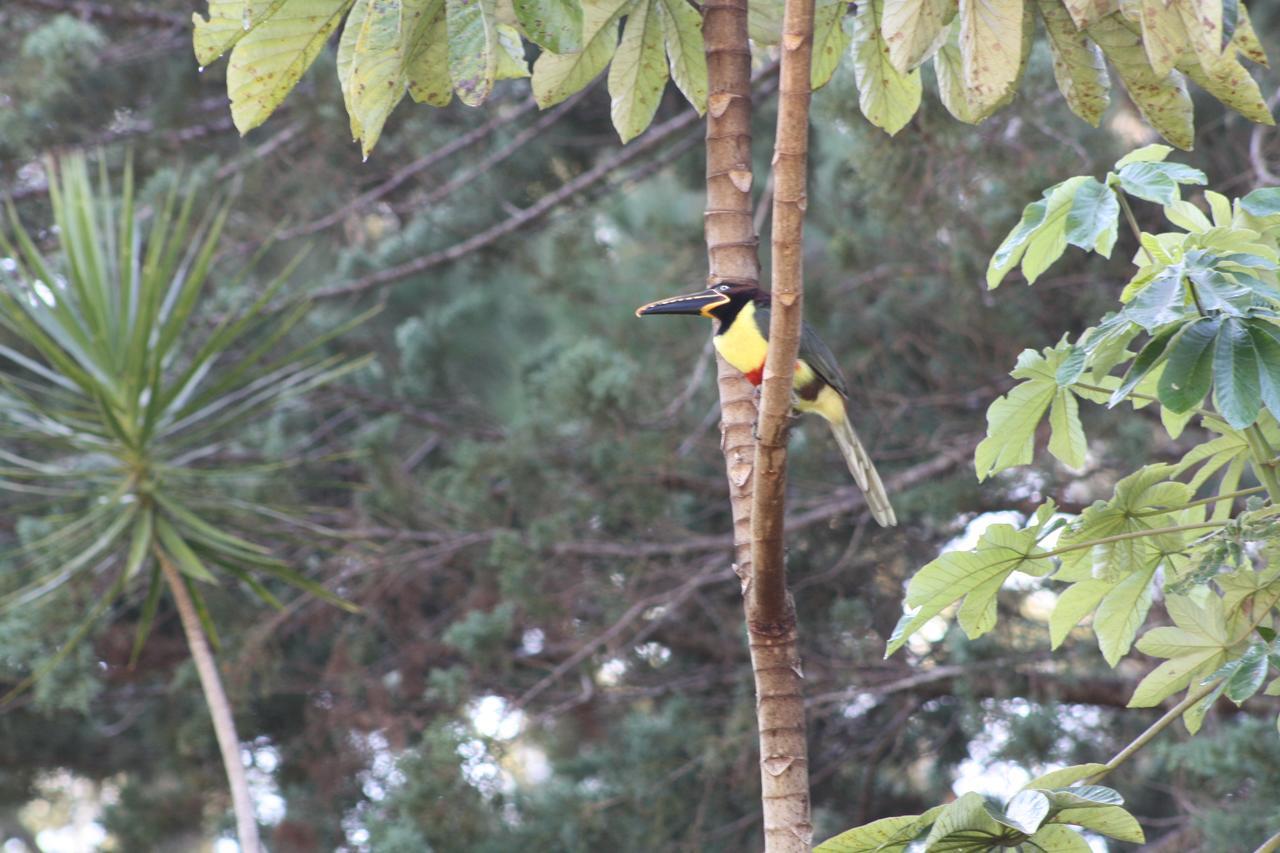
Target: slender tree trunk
x=732 y=254
x=215 y=697
x=771 y=615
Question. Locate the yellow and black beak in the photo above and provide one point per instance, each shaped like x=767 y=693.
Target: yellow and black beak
x=703 y=302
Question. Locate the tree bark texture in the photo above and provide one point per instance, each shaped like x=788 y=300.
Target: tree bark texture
x=224 y=725
x=771 y=616
x=732 y=254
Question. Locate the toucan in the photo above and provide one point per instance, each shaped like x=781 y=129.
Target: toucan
x=741 y=313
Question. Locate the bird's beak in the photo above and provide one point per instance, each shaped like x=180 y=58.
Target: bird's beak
x=702 y=302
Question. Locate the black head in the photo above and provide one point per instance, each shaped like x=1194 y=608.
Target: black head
x=720 y=301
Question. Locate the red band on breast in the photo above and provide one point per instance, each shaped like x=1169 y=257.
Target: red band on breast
x=755 y=377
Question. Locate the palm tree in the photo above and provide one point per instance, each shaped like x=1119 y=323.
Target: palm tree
x=113 y=410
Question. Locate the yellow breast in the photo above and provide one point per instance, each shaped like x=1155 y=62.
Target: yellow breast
x=741 y=344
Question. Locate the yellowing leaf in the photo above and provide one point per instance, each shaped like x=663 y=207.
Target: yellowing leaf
x=914 y=30
x=1078 y=65
x=1230 y=82
x=1122 y=612
x=1108 y=820
x=887 y=97
x=948 y=66
x=427 y=67
x=377 y=78
x=270 y=59
x=682 y=28
x=1203 y=22
x=556 y=77
x=1245 y=39
x=830 y=40
x=1085 y=12
x=1163 y=35
x=473 y=48
x=991 y=38
x=1162 y=99
x=228 y=22
x=639 y=71
x=511 y=61
x=764 y=21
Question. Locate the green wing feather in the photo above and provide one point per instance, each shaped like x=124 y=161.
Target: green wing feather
x=814 y=352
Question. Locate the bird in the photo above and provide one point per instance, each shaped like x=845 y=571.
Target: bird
x=740 y=310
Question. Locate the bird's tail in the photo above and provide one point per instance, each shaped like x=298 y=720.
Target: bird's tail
x=864 y=472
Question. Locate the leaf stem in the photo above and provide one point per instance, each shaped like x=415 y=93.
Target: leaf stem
x=1133 y=222
x=1225 y=496
x=1192 y=697
x=1262 y=453
x=1133 y=534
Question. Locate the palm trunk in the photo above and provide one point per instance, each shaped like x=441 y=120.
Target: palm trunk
x=731 y=251
x=215 y=697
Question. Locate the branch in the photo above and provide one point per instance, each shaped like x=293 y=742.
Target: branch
x=458 y=143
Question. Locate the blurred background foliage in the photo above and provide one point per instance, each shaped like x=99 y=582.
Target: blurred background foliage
x=550 y=654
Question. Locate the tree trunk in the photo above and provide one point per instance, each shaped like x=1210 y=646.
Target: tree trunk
x=215 y=697
x=732 y=254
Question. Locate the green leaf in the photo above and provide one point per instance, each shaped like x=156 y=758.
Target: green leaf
x=1162 y=99
x=552 y=24
x=1122 y=612
x=1057 y=779
x=1078 y=66
x=1248 y=676
x=1262 y=202
x=1151 y=355
x=978 y=573
x=427 y=65
x=638 y=74
x=473 y=48
x=990 y=49
x=270 y=59
x=139 y=544
x=830 y=41
x=1074 y=603
x=914 y=30
x=682 y=26
x=1245 y=39
x=1163 y=300
x=1158 y=182
x=177 y=550
x=1236 y=388
x=764 y=21
x=1091 y=220
x=1055 y=838
x=1153 y=153
x=875 y=837
x=887 y=97
x=1025 y=812
x=1108 y=820
x=1185 y=379
x=1082 y=797
x=557 y=76
x=1013 y=418
x=148 y=614
x=1266 y=340
x=1040 y=237
x=965 y=819
x=1195 y=646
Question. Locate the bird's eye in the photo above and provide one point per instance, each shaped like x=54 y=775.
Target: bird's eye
x=724 y=288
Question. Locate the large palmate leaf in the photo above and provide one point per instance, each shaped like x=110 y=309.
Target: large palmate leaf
x=1195 y=646
x=639 y=70
x=682 y=28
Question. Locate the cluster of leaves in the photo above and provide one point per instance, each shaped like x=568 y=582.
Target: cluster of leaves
x=1205 y=300
x=1038 y=817
x=114 y=417
x=431 y=49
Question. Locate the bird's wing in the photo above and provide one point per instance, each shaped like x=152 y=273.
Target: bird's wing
x=812 y=350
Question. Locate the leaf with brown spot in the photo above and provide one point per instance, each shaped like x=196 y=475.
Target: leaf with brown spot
x=1162 y=99
x=1078 y=66
x=991 y=39
x=639 y=71
x=915 y=29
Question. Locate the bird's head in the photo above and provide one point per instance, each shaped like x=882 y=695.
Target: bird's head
x=712 y=302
